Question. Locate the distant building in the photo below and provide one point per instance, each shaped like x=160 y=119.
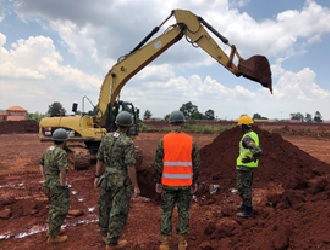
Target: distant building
x=2 y=115
x=13 y=113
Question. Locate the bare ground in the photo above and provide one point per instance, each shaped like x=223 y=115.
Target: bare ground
x=23 y=206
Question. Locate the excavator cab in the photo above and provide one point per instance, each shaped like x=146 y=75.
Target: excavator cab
x=113 y=111
x=257 y=69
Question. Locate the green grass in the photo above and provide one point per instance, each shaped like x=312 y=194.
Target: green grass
x=203 y=128
x=189 y=128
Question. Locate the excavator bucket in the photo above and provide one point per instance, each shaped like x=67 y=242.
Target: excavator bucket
x=257 y=69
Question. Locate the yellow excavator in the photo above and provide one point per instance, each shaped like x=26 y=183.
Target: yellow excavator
x=86 y=131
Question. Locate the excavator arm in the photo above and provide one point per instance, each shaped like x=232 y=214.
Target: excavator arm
x=131 y=64
x=255 y=68
x=187 y=24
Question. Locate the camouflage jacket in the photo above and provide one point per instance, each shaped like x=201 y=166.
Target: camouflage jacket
x=116 y=151
x=158 y=164
x=54 y=160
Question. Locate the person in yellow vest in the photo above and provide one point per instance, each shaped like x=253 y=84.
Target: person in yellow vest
x=247 y=161
x=176 y=172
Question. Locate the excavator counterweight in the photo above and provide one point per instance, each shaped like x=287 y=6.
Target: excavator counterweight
x=257 y=69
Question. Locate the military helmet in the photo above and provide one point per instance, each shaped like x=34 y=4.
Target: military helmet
x=245 y=119
x=176 y=117
x=124 y=119
x=60 y=134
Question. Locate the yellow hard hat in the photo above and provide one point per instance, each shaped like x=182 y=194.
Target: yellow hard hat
x=244 y=119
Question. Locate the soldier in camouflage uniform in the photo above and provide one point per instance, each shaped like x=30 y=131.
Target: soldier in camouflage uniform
x=247 y=161
x=176 y=172
x=53 y=166
x=118 y=181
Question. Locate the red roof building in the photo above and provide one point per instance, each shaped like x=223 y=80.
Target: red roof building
x=15 y=113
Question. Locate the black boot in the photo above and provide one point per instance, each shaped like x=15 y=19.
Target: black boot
x=247 y=212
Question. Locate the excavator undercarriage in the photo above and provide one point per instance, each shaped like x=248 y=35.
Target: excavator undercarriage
x=81 y=157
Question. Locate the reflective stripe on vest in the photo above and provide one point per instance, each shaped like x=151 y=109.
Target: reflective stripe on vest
x=245 y=152
x=177 y=170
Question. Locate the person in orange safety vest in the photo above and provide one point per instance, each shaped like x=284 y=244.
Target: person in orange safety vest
x=176 y=172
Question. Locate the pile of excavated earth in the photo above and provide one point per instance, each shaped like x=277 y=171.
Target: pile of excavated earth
x=291 y=195
x=19 y=127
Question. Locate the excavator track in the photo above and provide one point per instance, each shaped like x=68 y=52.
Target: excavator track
x=79 y=156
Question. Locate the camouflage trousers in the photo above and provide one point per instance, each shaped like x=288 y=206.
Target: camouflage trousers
x=244 y=185
x=170 y=198
x=59 y=202
x=114 y=201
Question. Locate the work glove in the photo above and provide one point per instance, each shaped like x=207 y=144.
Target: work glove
x=247 y=159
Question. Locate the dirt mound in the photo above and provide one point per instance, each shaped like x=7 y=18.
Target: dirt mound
x=291 y=193
x=19 y=127
x=291 y=209
x=282 y=163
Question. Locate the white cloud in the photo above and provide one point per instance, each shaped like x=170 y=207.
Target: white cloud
x=95 y=34
x=2 y=39
x=89 y=35
x=312 y=20
x=161 y=72
x=79 y=41
x=31 y=73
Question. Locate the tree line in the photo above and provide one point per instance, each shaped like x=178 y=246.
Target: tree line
x=189 y=110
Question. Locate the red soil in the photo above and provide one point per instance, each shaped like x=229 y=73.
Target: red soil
x=291 y=197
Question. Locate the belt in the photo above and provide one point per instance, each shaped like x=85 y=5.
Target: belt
x=244 y=167
x=111 y=170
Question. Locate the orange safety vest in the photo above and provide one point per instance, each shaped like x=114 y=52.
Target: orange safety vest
x=177 y=170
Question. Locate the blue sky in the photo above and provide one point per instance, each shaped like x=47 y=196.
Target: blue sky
x=61 y=51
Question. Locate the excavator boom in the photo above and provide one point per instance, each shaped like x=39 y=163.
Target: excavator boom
x=187 y=24
x=131 y=64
